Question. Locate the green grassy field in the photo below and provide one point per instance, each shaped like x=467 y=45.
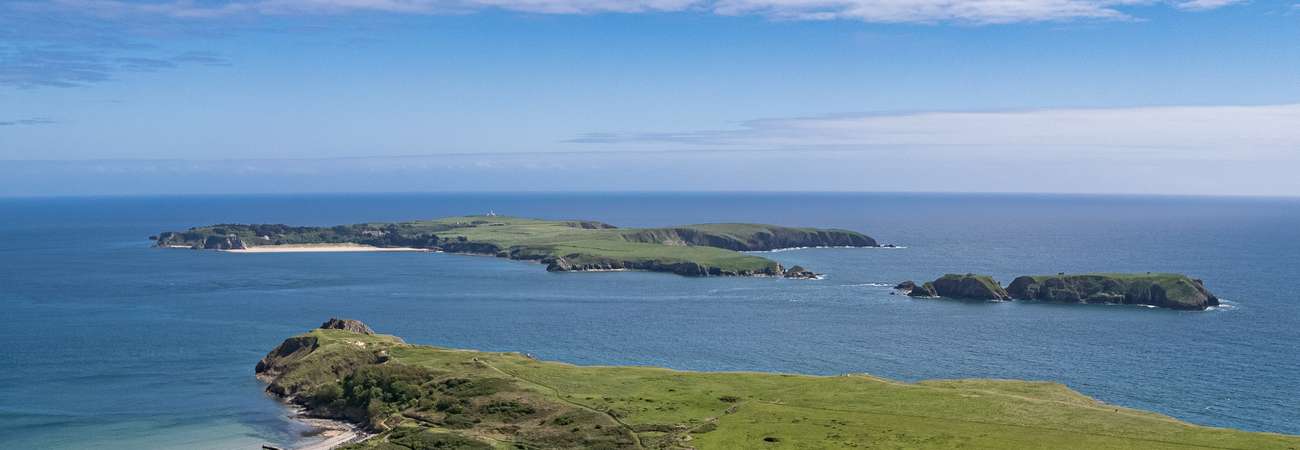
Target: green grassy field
x=420 y=397
x=709 y=249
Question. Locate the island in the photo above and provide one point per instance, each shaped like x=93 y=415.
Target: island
x=415 y=397
x=1165 y=290
x=563 y=246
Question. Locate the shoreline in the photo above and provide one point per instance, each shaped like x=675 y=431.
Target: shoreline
x=320 y=248
x=331 y=433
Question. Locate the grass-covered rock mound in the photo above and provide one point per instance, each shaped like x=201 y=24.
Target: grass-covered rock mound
x=969 y=286
x=419 y=397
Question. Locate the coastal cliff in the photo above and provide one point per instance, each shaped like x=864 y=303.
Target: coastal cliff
x=413 y=397
x=749 y=237
x=563 y=246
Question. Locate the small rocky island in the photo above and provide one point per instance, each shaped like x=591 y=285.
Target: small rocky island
x=563 y=246
x=414 y=397
x=1165 y=290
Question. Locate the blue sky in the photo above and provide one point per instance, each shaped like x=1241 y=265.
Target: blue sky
x=1124 y=96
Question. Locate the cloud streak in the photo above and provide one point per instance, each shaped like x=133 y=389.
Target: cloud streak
x=874 y=11
x=1177 y=132
x=53 y=65
x=29 y=121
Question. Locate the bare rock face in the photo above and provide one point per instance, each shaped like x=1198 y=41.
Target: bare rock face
x=924 y=290
x=800 y=273
x=231 y=242
x=276 y=362
x=354 y=326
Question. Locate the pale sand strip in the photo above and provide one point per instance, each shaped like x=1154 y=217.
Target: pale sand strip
x=318 y=248
x=334 y=441
x=333 y=433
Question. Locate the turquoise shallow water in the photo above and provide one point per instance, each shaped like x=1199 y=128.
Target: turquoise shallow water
x=111 y=344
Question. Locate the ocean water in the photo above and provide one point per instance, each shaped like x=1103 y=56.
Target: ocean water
x=107 y=343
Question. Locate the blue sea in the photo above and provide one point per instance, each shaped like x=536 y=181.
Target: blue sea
x=107 y=343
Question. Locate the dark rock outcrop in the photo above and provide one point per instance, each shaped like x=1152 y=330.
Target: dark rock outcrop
x=1163 y=290
x=905 y=286
x=969 y=286
x=750 y=237
x=589 y=225
x=471 y=247
x=231 y=242
x=272 y=366
x=925 y=290
x=354 y=326
x=800 y=273
x=576 y=263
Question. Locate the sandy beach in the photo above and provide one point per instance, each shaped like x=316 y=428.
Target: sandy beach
x=321 y=248
x=333 y=433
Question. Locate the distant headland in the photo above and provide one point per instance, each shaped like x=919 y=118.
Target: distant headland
x=563 y=246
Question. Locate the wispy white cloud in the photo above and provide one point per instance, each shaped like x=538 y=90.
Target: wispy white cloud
x=876 y=11
x=27 y=121
x=1205 y=5
x=1179 y=132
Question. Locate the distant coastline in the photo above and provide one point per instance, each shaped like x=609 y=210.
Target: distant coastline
x=316 y=248
x=718 y=249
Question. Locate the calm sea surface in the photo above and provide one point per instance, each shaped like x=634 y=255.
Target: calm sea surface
x=106 y=343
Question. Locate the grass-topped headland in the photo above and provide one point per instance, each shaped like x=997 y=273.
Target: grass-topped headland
x=698 y=250
x=419 y=397
x=1168 y=290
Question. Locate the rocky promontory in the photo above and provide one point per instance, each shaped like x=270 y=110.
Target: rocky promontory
x=415 y=397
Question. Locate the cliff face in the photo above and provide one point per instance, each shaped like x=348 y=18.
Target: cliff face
x=280 y=359
x=686 y=268
x=201 y=241
x=969 y=286
x=1163 y=290
x=746 y=237
x=354 y=326
x=913 y=290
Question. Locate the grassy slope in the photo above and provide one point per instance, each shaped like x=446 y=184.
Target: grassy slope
x=594 y=244
x=674 y=409
x=987 y=281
